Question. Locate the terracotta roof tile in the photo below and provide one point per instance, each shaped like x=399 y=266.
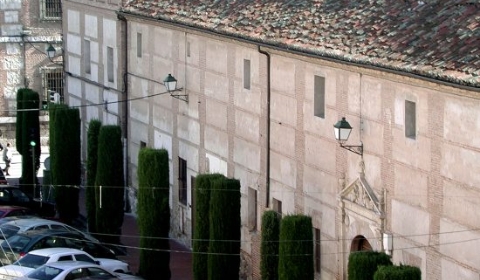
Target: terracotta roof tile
x=434 y=38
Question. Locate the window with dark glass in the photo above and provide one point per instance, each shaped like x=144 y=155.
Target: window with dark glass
x=182 y=181
x=51 y=9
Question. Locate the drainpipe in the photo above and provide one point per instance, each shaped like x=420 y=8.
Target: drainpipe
x=127 y=206
x=267 y=172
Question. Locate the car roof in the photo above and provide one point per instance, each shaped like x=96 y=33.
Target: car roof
x=54 y=251
x=45 y=232
x=31 y=222
x=15 y=207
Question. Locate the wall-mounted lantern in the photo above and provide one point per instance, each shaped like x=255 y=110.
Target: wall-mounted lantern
x=342 y=131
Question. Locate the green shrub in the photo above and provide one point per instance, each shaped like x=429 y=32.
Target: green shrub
x=154 y=213
x=67 y=163
x=393 y=272
x=363 y=264
x=52 y=112
x=296 y=248
x=201 y=234
x=92 y=153
x=109 y=184
x=224 y=247
x=269 y=245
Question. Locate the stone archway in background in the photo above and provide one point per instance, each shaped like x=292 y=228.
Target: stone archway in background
x=360 y=243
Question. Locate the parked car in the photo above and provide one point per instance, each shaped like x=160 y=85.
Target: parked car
x=10 y=195
x=70 y=270
x=18 y=245
x=37 y=258
x=12 y=210
x=23 y=225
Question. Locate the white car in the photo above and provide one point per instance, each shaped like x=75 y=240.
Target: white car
x=22 y=225
x=75 y=270
x=37 y=258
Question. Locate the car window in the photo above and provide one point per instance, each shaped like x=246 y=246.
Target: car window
x=8 y=230
x=77 y=273
x=95 y=271
x=41 y=227
x=60 y=227
x=16 y=243
x=65 y=258
x=32 y=261
x=4 y=196
x=84 y=258
x=45 y=273
x=19 y=196
x=17 y=213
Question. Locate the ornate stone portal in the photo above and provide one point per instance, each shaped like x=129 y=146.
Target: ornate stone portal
x=362 y=214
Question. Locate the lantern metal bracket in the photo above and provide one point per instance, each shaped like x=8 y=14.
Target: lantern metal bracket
x=357 y=149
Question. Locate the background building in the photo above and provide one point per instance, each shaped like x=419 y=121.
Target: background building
x=28 y=28
x=263 y=83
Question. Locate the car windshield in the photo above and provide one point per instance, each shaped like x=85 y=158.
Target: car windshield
x=15 y=243
x=8 y=230
x=32 y=261
x=20 y=196
x=44 y=273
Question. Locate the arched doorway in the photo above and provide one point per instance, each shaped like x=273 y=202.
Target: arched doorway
x=360 y=243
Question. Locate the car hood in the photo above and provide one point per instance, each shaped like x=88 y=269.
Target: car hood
x=12 y=271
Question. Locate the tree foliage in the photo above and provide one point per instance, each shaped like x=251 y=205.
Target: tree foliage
x=296 y=248
x=269 y=246
x=224 y=246
x=201 y=234
x=67 y=163
x=109 y=184
x=394 y=272
x=92 y=158
x=363 y=264
x=154 y=213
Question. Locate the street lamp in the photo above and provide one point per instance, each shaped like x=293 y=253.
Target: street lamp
x=342 y=131
x=170 y=84
x=51 y=52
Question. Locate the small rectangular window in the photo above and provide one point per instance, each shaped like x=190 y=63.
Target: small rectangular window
x=87 y=57
x=182 y=181
x=188 y=49
x=50 y=9
x=319 y=97
x=139 y=44
x=252 y=209
x=110 y=64
x=317 y=250
x=410 y=120
x=143 y=144
x=246 y=74
x=277 y=206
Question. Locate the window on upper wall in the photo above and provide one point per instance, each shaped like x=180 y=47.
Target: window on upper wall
x=317 y=251
x=143 y=144
x=319 y=97
x=410 y=120
x=86 y=57
x=246 y=74
x=252 y=209
x=139 y=44
x=52 y=81
x=110 y=64
x=182 y=181
x=50 y=9
x=277 y=206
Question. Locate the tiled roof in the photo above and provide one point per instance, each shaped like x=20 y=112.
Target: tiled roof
x=439 y=39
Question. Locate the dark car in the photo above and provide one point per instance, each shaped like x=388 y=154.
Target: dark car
x=18 y=245
x=10 y=195
x=14 y=211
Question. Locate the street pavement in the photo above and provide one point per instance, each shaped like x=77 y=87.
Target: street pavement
x=180 y=256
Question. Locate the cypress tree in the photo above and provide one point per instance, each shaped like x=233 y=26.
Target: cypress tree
x=19 y=125
x=67 y=163
x=201 y=234
x=92 y=153
x=269 y=245
x=30 y=131
x=224 y=247
x=154 y=213
x=52 y=112
x=109 y=184
x=362 y=265
x=296 y=248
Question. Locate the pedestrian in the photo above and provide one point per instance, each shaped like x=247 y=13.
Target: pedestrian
x=7 y=157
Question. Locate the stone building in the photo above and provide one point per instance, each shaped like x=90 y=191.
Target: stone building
x=28 y=29
x=262 y=84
